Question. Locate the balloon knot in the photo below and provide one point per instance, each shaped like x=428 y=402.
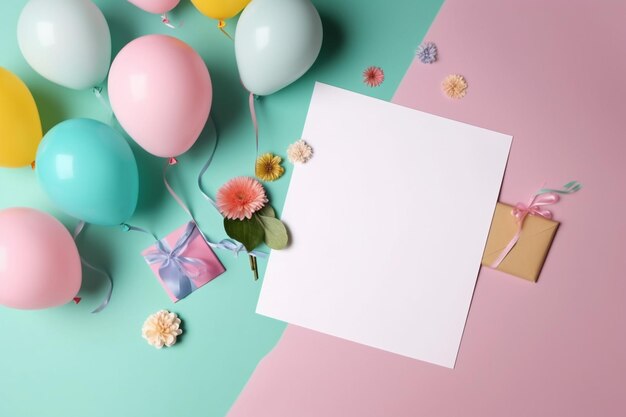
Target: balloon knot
x=77 y=300
x=125 y=227
x=221 y=24
x=33 y=165
x=172 y=161
x=167 y=22
x=97 y=91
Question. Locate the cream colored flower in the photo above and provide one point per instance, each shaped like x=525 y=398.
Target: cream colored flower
x=299 y=152
x=161 y=329
x=455 y=86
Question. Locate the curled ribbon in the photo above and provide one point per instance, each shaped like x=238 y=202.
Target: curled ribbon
x=535 y=207
x=206 y=166
x=108 y=280
x=225 y=244
x=177 y=271
x=569 y=188
x=236 y=248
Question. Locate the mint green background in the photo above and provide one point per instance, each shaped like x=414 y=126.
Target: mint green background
x=68 y=362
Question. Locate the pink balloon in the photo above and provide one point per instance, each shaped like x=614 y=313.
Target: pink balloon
x=155 y=6
x=39 y=262
x=161 y=93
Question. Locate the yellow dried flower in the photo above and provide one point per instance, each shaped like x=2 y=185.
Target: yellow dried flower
x=268 y=167
x=455 y=86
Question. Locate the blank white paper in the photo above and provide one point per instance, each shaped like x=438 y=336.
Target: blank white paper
x=388 y=224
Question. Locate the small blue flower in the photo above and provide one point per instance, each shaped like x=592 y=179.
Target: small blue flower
x=427 y=53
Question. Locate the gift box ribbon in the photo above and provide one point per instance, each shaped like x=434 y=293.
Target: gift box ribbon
x=176 y=270
x=535 y=207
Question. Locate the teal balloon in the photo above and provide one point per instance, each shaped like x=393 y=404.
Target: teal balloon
x=89 y=171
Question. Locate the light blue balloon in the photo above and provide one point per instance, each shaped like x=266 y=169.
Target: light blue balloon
x=276 y=42
x=89 y=171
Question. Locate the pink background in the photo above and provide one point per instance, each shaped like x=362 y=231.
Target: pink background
x=198 y=249
x=551 y=73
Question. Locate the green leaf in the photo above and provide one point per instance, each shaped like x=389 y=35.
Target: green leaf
x=248 y=231
x=267 y=211
x=275 y=232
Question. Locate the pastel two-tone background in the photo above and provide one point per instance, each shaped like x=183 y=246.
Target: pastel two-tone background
x=549 y=73
x=68 y=362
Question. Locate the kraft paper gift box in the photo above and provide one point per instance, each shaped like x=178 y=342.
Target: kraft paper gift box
x=526 y=258
x=183 y=262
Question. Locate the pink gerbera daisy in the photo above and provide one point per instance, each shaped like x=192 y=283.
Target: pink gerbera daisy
x=373 y=76
x=240 y=198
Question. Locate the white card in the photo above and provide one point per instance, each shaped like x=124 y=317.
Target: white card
x=388 y=224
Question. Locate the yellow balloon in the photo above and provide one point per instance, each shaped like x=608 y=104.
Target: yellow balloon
x=220 y=9
x=20 y=127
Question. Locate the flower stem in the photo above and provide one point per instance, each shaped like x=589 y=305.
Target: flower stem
x=254 y=268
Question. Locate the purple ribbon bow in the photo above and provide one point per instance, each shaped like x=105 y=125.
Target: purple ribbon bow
x=175 y=270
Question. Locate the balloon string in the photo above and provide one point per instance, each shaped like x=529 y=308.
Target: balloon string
x=206 y=166
x=221 y=25
x=128 y=228
x=79 y=228
x=254 y=122
x=172 y=161
x=225 y=244
x=167 y=22
x=97 y=91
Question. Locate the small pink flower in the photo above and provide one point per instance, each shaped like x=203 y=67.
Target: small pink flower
x=240 y=198
x=373 y=76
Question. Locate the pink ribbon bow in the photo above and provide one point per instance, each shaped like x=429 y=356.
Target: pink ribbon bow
x=520 y=211
x=535 y=207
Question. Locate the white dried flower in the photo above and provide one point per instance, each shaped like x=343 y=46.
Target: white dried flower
x=299 y=152
x=161 y=329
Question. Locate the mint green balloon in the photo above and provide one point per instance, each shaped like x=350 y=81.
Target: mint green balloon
x=89 y=171
x=276 y=42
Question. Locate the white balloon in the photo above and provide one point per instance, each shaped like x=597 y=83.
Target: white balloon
x=276 y=42
x=66 y=41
